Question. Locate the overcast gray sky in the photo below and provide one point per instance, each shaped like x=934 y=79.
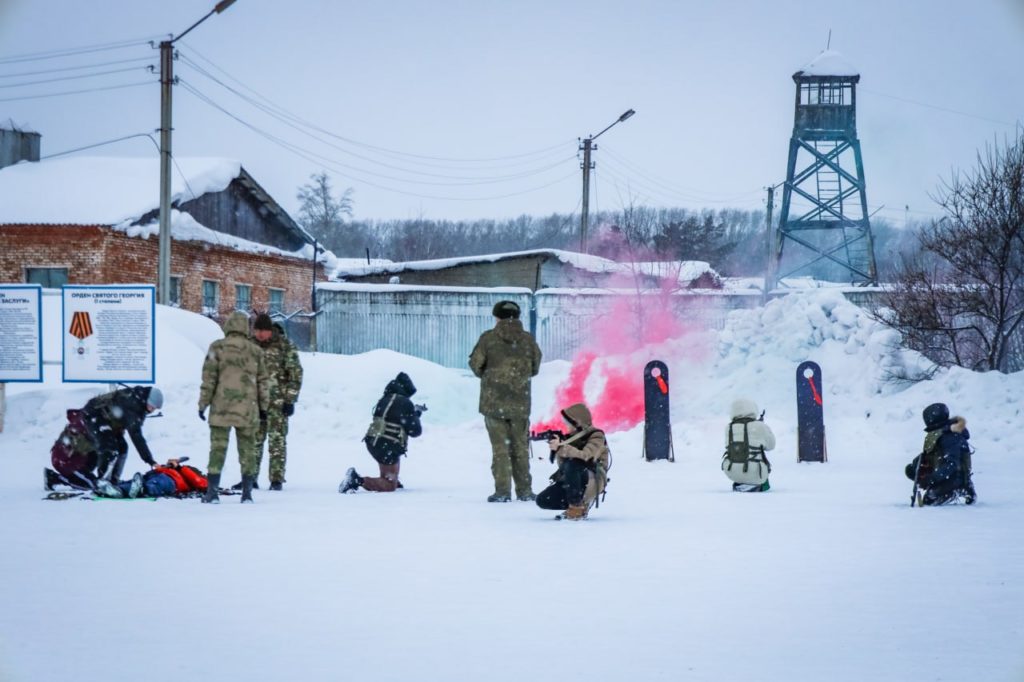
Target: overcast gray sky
x=408 y=96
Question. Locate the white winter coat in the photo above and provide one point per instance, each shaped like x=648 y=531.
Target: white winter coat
x=758 y=434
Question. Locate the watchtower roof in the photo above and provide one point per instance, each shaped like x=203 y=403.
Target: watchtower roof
x=828 y=64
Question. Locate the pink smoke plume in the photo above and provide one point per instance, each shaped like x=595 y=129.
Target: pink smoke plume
x=607 y=374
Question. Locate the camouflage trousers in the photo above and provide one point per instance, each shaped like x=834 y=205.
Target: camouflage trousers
x=275 y=431
x=510 y=451
x=245 y=440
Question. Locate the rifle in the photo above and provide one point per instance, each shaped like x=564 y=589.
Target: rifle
x=420 y=409
x=547 y=435
x=917 y=478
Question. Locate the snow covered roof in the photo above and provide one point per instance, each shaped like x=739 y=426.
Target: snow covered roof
x=828 y=63
x=686 y=271
x=185 y=228
x=100 y=190
x=120 y=191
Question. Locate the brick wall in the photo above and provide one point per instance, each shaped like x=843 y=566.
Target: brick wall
x=99 y=255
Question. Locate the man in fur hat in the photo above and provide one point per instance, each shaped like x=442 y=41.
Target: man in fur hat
x=506 y=358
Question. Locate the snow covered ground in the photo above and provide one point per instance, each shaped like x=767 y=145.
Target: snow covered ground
x=830 y=576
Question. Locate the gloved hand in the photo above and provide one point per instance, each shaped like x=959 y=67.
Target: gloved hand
x=263 y=416
x=201 y=415
x=554 y=444
x=288 y=409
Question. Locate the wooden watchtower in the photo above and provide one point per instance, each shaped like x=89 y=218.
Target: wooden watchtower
x=824 y=211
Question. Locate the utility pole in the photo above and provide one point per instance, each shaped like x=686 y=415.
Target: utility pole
x=585 y=210
x=587 y=145
x=163 y=284
x=769 y=271
x=163 y=266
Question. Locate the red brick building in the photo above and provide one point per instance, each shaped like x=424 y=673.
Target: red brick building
x=93 y=220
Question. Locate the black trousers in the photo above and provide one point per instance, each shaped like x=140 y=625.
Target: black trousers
x=568 y=487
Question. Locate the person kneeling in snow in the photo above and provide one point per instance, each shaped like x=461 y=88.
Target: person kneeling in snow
x=92 y=445
x=945 y=463
x=583 y=461
x=166 y=480
x=395 y=421
x=747 y=439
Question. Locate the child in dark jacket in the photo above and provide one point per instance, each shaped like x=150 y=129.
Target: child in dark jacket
x=395 y=421
x=944 y=473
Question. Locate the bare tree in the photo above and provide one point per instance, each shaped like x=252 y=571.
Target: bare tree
x=965 y=304
x=323 y=214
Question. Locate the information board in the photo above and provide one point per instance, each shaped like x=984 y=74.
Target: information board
x=109 y=333
x=21 y=332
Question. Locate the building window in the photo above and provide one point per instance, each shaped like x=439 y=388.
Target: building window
x=277 y=300
x=49 y=278
x=175 y=292
x=211 y=297
x=243 y=297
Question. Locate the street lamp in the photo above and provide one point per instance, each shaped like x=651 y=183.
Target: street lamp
x=587 y=145
x=163 y=270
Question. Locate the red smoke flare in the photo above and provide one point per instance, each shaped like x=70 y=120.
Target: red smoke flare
x=636 y=330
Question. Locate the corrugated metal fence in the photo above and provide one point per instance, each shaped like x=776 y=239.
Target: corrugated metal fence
x=441 y=324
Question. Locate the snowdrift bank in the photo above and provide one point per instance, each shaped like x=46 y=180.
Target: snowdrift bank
x=832 y=572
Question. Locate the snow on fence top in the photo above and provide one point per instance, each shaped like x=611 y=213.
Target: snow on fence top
x=829 y=63
x=393 y=288
x=98 y=190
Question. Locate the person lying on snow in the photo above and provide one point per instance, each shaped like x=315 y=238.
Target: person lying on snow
x=945 y=463
x=173 y=479
x=747 y=440
x=395 y=421
x=93 y=446
x=583 y=460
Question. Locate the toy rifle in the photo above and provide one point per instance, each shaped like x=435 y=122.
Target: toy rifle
x=917 y=479
x=547 y=435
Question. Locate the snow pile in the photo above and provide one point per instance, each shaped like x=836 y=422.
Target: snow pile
x=819 y=325
x=99 y=190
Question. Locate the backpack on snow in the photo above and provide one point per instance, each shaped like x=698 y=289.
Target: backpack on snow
x=741 y=452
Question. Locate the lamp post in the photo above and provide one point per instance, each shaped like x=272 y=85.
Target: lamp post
x=163 y=270
x=587 y=146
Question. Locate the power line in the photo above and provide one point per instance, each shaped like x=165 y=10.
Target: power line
x=674 y=188
x=938 y=108
x=101 y=144
x=310 y=156
x=76 y=92
x=70 y=52
x=376 y=148
x=517 y=176
x=322 y=140
x=71 y=78
x=40 y=72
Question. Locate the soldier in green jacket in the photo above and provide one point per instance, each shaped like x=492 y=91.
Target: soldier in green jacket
x=236 y=388
x=506 y=358
x=282 y=360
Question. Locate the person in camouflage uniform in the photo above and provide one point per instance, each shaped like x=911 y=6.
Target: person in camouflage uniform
x=236 y=388
x=506 y=358
x=282 y=359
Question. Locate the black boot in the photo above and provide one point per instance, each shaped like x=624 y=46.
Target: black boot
x=212 y=483
x=238 y=486
x=247 y=484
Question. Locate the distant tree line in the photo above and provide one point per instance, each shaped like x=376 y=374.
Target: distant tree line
x=732 y=240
